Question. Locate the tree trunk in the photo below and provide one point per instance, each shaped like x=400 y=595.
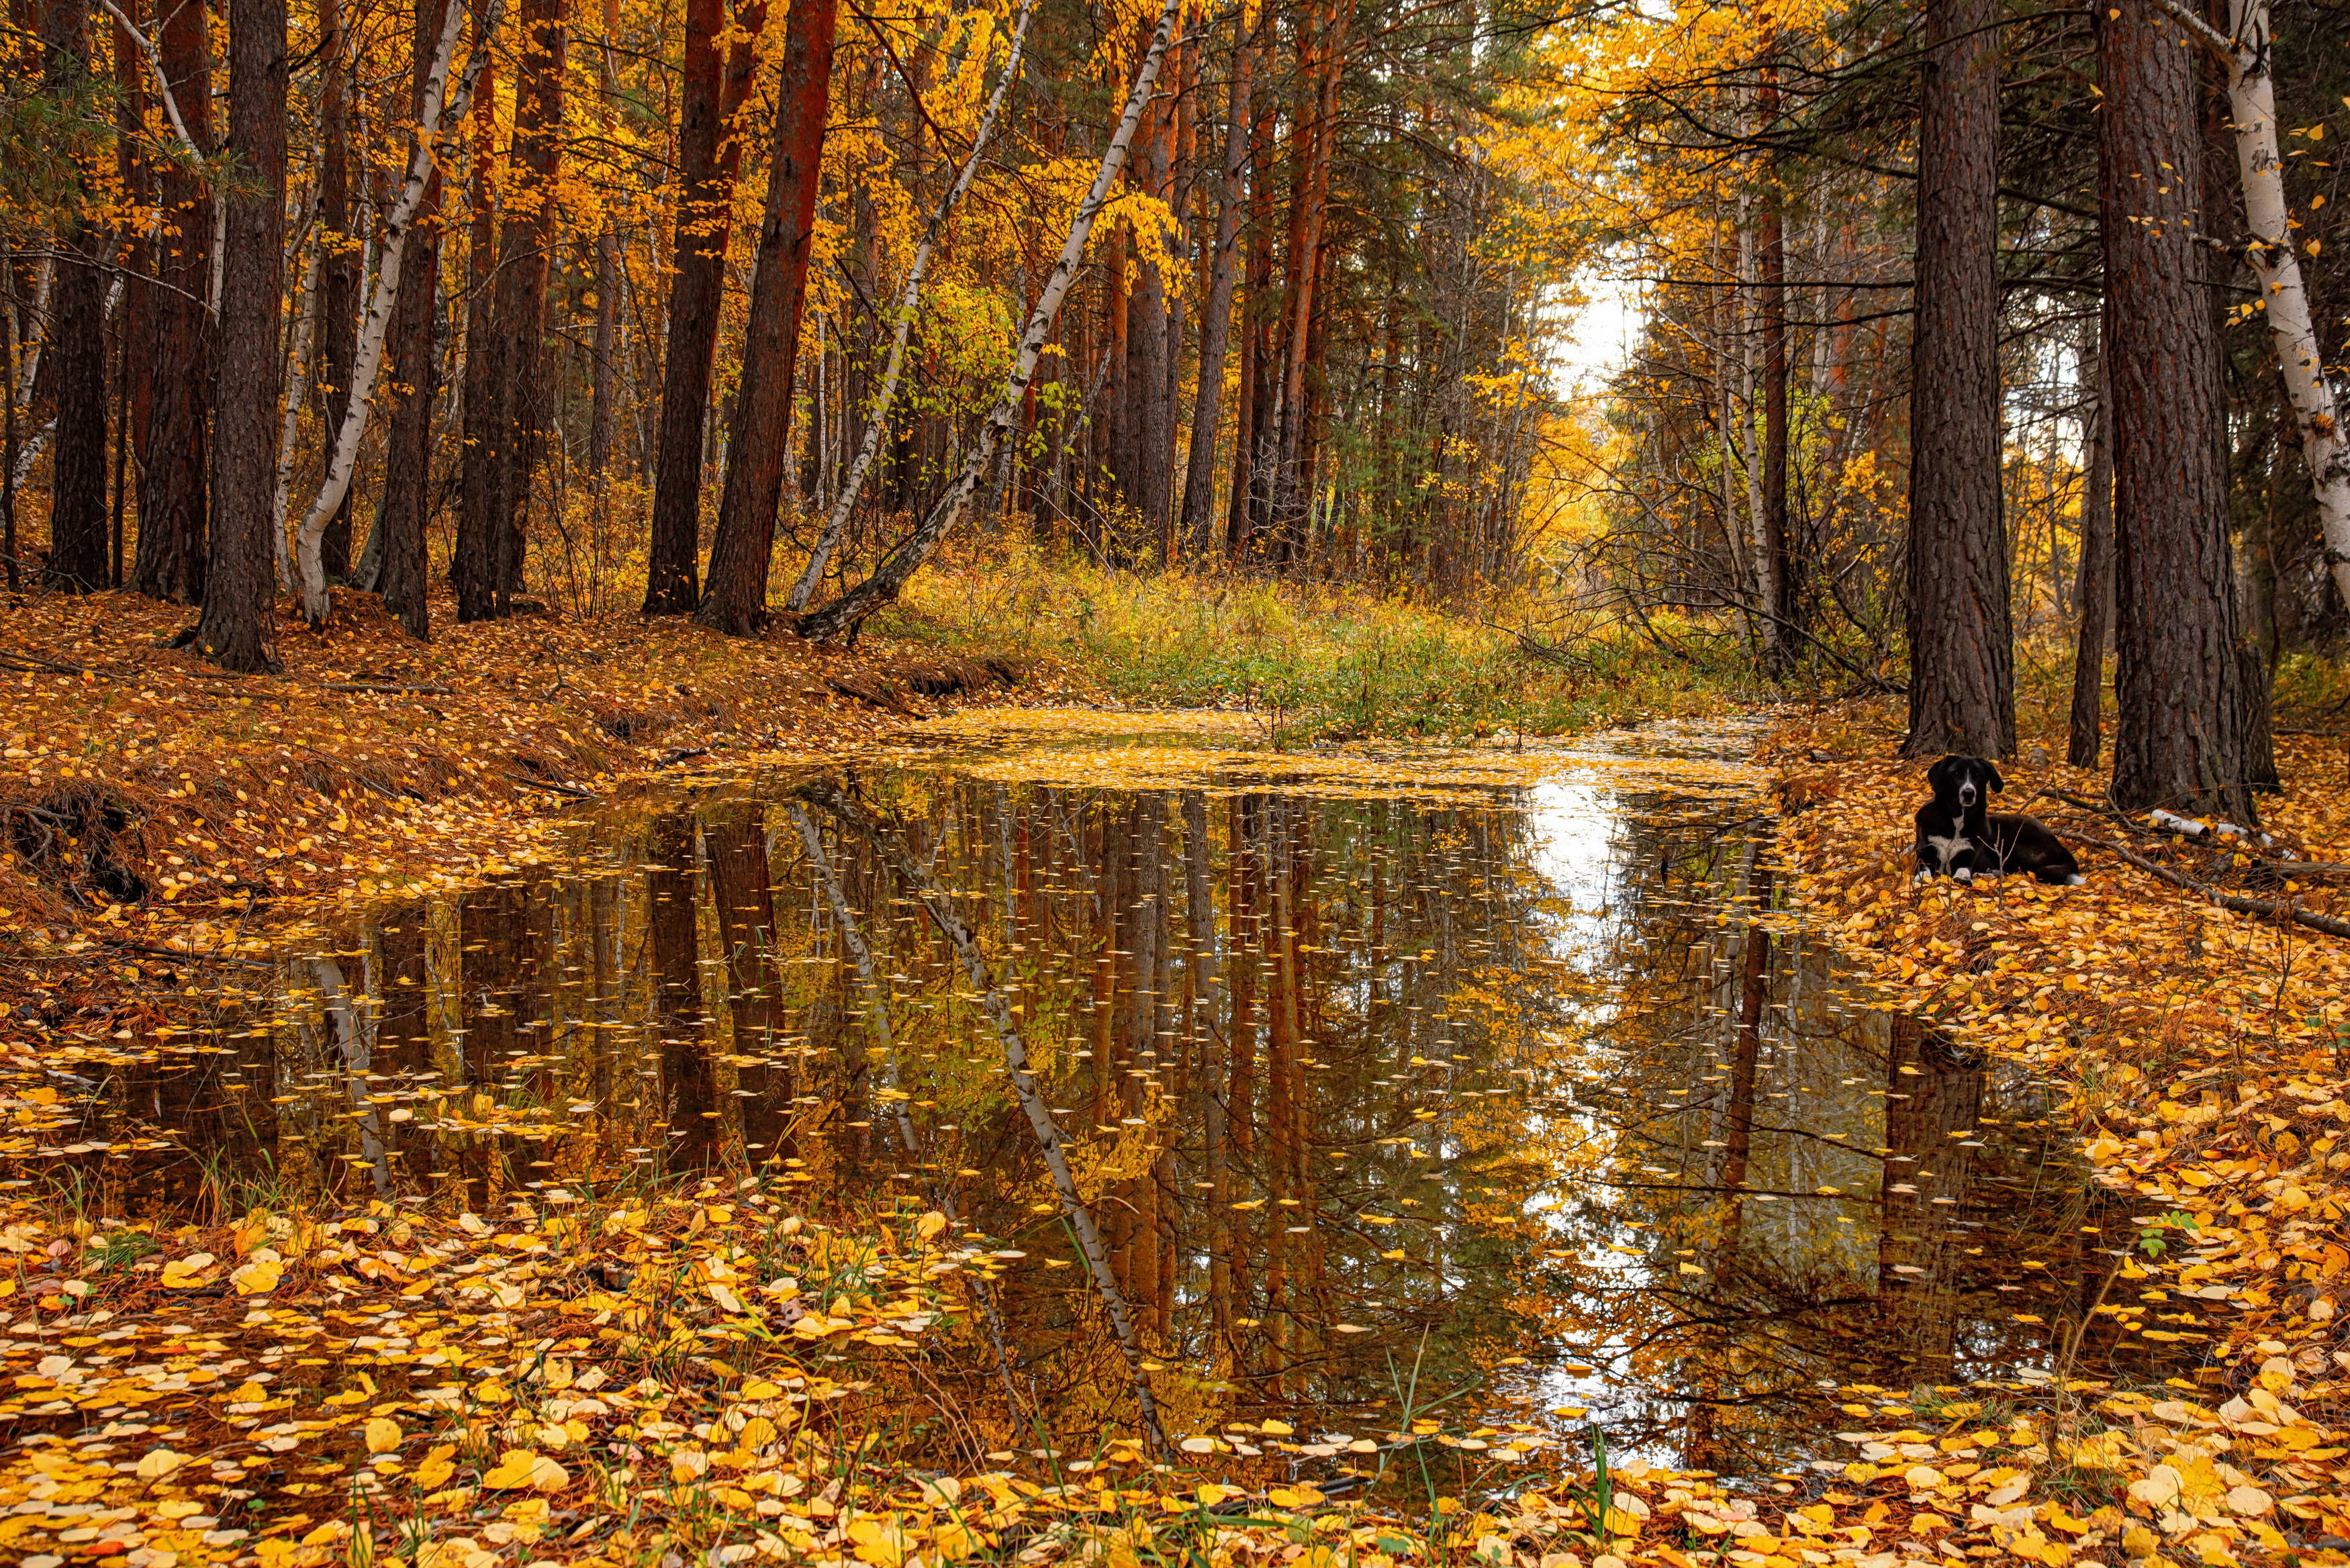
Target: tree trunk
x=406 y=503
x=2177 y=714
x=1771 y=240
x=405 y=321
x=503 y=428
x=2094 y=592
x=883 y=586
x=174 y=465
x=2247 y=54
x=908 y=305
x=1314 y=142
x=709 y=155
x=237 y=629
x=608 y=271
x=1148 y=420
x=77 y=350
x=1961 y=647
x=338 y=264
x=1197 y=529
x=758 y=447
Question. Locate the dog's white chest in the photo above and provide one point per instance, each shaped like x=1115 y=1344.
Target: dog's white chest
x=1948 y=850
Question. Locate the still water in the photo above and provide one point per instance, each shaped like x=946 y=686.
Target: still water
x=1499 y=1083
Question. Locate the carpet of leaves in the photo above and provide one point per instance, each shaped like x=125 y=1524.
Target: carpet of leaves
x=2201 y=1051
x=699 y=1375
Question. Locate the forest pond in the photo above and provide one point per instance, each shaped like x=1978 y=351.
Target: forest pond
x=1493 y=1084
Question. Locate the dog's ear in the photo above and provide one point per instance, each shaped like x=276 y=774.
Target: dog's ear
x=1938 y=775
x=1997 y=784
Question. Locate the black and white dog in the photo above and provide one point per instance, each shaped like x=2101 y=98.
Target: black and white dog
x=1959 y=838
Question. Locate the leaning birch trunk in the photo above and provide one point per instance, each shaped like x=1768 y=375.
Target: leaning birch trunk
x=877 y=1001
x=354 y=1031
x=851 y=608
x=296 y=396
x=943 y=914
x=909 y=302
x=2252 y=103
x=440 y=107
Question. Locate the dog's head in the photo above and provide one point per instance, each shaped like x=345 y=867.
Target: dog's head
x=1963 y=782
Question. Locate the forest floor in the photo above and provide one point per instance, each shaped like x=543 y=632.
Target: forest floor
x=2202 y=1053
x=652 y=1376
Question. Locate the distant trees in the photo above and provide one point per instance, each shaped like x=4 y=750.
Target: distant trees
x=1307 y=347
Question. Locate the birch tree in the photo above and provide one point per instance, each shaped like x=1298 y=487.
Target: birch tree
x=2245 y=52
x=909 y=302
x=851 y=608
x=440 y=107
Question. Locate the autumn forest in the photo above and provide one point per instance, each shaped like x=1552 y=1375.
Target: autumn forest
x=1025 y=782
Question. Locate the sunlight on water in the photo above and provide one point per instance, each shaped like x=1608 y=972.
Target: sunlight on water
x=1495 y=1080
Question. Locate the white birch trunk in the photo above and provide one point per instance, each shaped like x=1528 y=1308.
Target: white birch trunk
x=2252 y=102
x=909 y=302
x=830 y=621
x=440 y=107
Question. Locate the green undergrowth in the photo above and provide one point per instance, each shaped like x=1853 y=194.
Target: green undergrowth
x=1323 y=661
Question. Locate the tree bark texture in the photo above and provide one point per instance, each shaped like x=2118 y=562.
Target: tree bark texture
x=2177 y=714
x=237 y=629
x=709 y=156
x=2094 y=592
x=758 y=448
x=174 y=465
x=499 y=458
x=75 y=364
x=338 y=261
x=1962 y=644
x=1196 y=528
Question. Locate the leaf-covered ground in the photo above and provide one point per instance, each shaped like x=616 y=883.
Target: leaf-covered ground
x=2201 y=1051
x=689 y=1375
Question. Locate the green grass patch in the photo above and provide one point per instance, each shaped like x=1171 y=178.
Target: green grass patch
x=1319 y=660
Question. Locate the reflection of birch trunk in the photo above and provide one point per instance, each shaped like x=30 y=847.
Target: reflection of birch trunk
x=353 y=1032
x=868 y=978
x=909 y=302
x=876 y=1014
x=940 y=909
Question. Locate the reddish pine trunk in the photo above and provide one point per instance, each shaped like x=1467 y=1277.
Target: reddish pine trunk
x=236 y=631
x=709 y=156
x=74 y=369
x=339 y=269
x=1961 y=654
x=2178 y=738
x=1311 y=147
x=1248 y=424
x=503 y=453
x=759 y=447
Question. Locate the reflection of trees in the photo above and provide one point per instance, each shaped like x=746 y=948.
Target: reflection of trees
x=1437 y=1091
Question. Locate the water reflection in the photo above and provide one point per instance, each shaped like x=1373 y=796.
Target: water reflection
x=1370 y=1095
